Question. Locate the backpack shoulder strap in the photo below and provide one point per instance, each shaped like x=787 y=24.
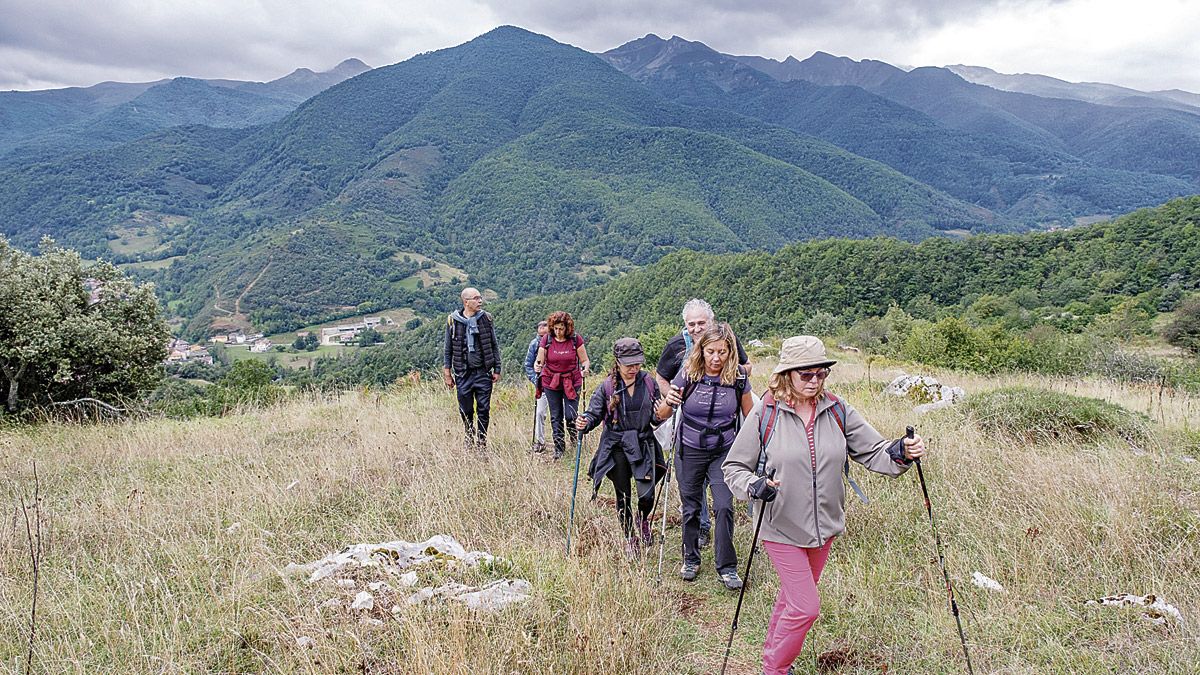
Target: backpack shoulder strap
x=839 y=411
x=766 y=428
x=839 y=414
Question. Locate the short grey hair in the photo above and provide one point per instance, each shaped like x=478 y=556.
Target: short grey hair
x=697 y=304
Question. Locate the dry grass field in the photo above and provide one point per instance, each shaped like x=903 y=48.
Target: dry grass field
x=167 y=543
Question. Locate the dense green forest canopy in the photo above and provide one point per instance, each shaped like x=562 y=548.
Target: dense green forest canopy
x=526 y=167
x=1064 y=277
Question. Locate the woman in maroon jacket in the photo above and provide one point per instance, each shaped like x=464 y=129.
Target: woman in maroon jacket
x=561 y=364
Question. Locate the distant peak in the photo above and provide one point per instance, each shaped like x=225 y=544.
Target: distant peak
x=352 y=63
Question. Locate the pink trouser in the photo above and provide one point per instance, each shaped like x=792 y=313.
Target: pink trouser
x=796 y=606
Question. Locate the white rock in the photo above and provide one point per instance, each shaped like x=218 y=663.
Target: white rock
x=408 y=579
x=331 y=603
x=1188 y=459
x=345 y=583
x=497 y=595
x=305 y=642
x=985 y=582
x=373 y=622
x=1158 y=609
x=363 y=600
x=395 y=557
x=234 y=528
x=376 y=586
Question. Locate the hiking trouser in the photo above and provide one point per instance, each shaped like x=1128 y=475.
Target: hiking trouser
x=621 y=476
x=797 y=604
x=705 y=521
x=539 y=424
x=695 y=469
x=561 y=407
x=474 y=389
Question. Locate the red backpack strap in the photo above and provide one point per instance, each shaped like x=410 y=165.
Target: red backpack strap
x=839 y=411
x=766 y=428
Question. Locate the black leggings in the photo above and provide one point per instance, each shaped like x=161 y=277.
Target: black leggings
x=562 y=407
x=621 y=476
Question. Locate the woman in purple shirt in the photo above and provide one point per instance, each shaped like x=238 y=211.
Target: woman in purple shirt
x=710 y=391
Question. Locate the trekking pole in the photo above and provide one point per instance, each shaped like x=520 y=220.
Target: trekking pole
x=745 y=579
x=962 y=638
x=574 y=488
x=666 y=495
x=537 y=398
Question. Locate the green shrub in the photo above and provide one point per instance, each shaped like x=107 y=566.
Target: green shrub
x=1026 y=414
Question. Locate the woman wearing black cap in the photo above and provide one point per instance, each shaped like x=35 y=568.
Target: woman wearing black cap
x=626 y=404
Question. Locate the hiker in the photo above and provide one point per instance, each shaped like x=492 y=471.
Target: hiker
x=471 y=364
x=709 y=392
x=625 y=403
x=805 y=435
x=697 y=317
x=540 y=408
x=561 y=364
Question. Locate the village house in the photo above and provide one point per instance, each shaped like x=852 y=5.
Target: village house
x=348 y=332
x=261 y=345
x=180 y=351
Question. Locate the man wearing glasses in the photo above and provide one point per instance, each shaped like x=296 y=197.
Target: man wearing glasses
x=471 y=364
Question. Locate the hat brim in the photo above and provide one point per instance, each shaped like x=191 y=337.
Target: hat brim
x=784 y=367
x=630 y=360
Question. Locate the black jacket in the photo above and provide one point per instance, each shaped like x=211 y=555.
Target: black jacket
x=632 y=432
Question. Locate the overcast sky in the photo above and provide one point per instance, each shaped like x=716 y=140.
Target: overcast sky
x=1145 y=44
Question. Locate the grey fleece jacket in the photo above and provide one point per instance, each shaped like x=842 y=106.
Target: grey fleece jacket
x=811 y=505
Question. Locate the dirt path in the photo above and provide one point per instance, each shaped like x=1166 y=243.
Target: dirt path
x=237 y=304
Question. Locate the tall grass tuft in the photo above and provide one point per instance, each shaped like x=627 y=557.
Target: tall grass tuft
x=1037 y=415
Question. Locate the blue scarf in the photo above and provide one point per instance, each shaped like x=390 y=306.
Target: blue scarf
x=472 y=323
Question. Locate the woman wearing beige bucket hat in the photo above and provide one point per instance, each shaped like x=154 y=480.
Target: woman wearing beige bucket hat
x=803 y=435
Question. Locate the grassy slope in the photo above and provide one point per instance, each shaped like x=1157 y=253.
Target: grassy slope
x=144 y=577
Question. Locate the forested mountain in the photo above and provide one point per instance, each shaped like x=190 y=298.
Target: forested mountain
x=515 y=162
x=37 y=125
x=1017 y=157
x=1092 y=92
x=533 y=165
x=1151 y=256
x=1146 y=138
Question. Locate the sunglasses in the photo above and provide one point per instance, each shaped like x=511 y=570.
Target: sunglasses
x=810 y=375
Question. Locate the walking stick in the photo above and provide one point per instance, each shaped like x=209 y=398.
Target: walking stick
x=962 y=638
x=537 y=399
x=745 y=580
x=666 y=495
x=575 y=483
x=574 y=488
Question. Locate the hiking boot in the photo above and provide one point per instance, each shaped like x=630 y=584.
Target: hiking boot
x=539 y=447
x=647 y=530
x=704 y=538
x=731 y=579
x=688 y=571
x=558 y=454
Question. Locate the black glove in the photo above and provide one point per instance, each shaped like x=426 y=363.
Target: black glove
x=763 y=490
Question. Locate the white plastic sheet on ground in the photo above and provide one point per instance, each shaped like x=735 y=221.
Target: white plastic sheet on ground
x=1157 y=611
x=925 y=388
x=395 y=558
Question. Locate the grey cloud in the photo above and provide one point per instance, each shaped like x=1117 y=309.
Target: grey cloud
x=247 y=40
